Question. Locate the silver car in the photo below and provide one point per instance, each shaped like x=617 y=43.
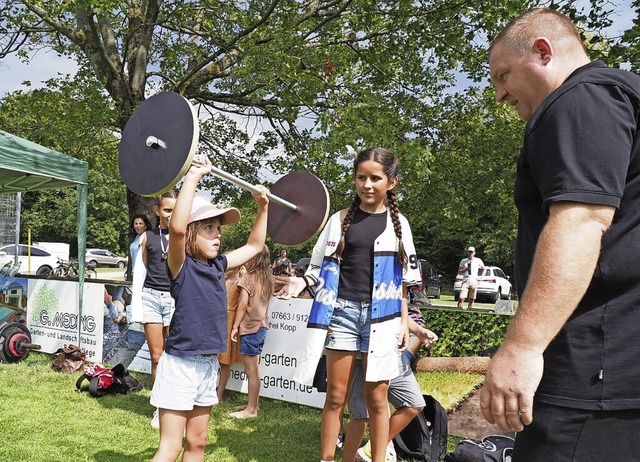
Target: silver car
x=101 y=257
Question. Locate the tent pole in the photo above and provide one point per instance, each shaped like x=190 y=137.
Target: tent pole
x=18 y=212
x=82 y=245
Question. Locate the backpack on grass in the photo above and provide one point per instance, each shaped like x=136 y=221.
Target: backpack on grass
x=425 y=438
x=103 y=381
x=492 y=448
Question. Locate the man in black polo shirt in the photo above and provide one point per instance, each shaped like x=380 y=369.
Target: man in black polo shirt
x=566 y=376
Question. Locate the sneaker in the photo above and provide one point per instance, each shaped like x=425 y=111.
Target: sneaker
x=391 y=454
x=155 y=420
x=340 y=441
x=364 y=453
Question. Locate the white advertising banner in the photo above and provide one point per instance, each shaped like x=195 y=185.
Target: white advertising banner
x=54 y=320
x=279 y=359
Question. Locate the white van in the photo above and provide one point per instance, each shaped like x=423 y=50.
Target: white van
x=59 y=249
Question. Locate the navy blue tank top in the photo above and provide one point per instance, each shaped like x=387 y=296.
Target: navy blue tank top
x=157 y=269
x=199 y=323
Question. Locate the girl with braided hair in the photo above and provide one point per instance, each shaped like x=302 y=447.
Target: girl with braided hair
x=360 y=268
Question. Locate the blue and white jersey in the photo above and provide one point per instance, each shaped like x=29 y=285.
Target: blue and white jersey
x=386 y=299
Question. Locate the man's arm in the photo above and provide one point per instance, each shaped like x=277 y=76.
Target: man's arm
x=562 y=268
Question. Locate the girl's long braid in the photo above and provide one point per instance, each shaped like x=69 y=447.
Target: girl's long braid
x=397 y=227
x=348 y=219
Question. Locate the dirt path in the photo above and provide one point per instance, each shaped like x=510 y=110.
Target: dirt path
x=467 y=421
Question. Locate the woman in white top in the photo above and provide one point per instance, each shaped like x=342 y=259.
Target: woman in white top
x=139 y=224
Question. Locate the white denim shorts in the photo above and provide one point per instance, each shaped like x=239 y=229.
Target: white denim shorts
x=183 y=382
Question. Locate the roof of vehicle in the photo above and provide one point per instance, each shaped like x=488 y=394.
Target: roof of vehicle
x=303 y=262
x=26 y=245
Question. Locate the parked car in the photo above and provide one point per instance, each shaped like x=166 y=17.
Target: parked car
x=101 y=257
x=301 y=266
x=430 y=279
x=493 y=286
x=34 y=261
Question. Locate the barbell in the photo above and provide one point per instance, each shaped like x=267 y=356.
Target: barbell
x=15 y=342
x=159 y=144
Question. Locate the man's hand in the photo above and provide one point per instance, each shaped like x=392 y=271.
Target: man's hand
x=513 y=375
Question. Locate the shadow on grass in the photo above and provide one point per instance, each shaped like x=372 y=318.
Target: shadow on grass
x=110 y=456
x=285 y=432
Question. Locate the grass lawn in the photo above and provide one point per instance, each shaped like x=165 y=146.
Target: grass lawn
x=44 y=419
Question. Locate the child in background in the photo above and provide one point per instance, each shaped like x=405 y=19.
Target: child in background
x=404 y=394
x=187 y=374
x=361 y=266
x=157 y=304
x=251 y=324
x=232 y=355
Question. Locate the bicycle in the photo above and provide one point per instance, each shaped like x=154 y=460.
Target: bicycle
x=10 y=269
x=70 y=269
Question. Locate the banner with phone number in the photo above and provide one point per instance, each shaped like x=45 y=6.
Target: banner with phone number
x=285 y=338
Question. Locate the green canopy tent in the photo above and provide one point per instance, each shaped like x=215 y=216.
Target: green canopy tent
x=27 y=166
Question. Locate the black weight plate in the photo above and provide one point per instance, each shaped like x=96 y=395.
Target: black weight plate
x=8 y=333
x=150 y=171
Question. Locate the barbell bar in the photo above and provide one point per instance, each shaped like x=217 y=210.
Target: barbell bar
x=159 y=144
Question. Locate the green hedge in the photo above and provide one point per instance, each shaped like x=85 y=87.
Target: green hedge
x=463 y=333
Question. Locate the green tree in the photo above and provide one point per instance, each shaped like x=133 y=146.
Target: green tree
x=310 y=78
x=361 y=68
x=50 y=117
x=467 y=187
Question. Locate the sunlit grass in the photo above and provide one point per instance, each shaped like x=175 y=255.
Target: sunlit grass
x=44 y=419
x=449 y=388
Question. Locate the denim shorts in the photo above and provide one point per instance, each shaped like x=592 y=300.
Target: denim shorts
x=157 y=306
x=183 y=382
x=251 y=344
x=350 y=326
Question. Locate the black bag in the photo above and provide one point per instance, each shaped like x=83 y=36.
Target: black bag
x=103 y=381
x=320 y=376
x=492 y=448
x=425 y=438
